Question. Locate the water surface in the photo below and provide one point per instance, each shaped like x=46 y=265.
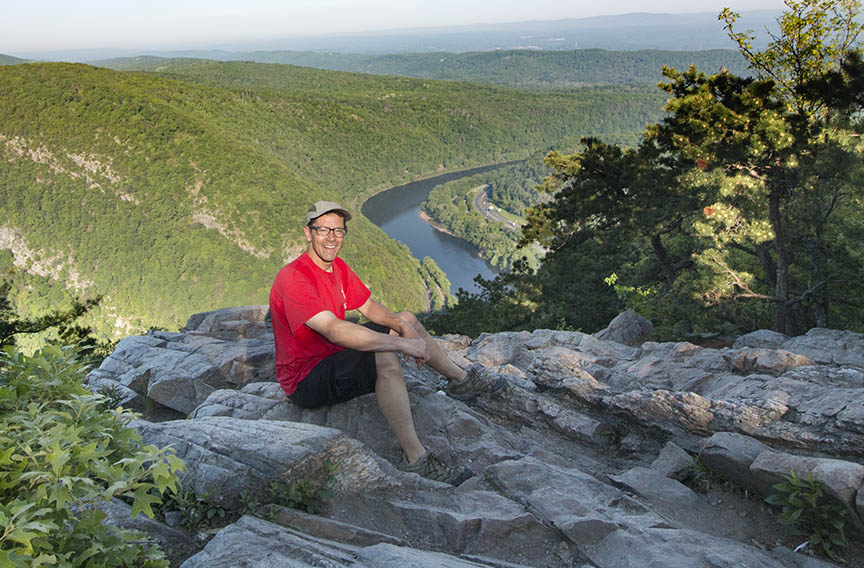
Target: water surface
x=397 y=212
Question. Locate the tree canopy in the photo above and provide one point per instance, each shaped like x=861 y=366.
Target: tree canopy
x=740 y=209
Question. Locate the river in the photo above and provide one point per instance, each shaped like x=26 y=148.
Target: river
x=397 y=212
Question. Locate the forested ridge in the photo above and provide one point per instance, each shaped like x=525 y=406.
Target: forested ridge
x=739 y=210
x=510 y=191
x=519 y=68
x=181 y=193
x=9 y=60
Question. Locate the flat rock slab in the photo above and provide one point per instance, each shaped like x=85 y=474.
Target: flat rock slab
x=180 y=370
x=226 y=456
x=477 y=523
x=583 y=508
x=255 y=543
x=676 y=548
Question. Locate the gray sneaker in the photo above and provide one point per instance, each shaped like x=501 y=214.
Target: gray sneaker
x=432 y=467
x=475 y=383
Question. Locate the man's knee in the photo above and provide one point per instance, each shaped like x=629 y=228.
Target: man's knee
x=387 y=363
x=410 y=318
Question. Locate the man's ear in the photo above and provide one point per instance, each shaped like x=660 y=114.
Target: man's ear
x=308 y=234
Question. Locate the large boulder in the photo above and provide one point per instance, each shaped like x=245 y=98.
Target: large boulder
x=628 y=328
x=261 y=544
x=226 y=456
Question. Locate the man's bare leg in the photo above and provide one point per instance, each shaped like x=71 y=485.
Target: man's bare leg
x=438 y=360
x=393 y=401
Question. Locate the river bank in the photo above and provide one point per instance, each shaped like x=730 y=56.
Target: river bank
x=397 y=212
x=431 y=222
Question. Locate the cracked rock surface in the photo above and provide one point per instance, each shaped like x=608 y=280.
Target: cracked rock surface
x=584 y=459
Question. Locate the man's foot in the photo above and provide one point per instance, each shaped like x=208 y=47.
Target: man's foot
x=432 y=467
x=475 y=383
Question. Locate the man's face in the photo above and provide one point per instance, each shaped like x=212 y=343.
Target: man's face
x=324 y=250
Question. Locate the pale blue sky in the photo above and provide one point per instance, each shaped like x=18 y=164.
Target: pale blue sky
x=36 y=25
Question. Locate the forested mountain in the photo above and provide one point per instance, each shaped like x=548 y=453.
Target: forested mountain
x=182 y=192
x=9 y=60
x=518 y=68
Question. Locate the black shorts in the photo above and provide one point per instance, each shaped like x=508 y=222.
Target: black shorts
x=340 y=377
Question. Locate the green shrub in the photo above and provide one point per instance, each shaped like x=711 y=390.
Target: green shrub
x=197 y=512
x=306 y=494
x=62 y=456
x=807 y=511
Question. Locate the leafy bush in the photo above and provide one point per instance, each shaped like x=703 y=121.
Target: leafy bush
x=63 y=455
x=197 y=512
x=808 y=512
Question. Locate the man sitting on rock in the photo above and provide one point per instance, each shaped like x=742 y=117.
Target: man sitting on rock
x=321 y=359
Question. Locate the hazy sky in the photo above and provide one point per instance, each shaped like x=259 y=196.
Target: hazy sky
x=36 y=25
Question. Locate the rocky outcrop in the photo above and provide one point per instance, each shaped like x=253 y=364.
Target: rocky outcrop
x=580 y=460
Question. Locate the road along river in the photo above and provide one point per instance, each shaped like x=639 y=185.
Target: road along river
x=397 y=212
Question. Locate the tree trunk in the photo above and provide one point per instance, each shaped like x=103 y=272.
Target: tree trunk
x=783 y=317
x=663 y=259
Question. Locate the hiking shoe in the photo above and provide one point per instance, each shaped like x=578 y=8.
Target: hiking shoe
x=432 y=467
x=475 y=383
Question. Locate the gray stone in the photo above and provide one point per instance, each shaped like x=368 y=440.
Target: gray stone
x=731 y=455
x=322 y=527
x=772 y=361
x=760 y=339
x=668 y=497
x=830 y=346
x=859 y=502
x=841 y=480
x=267 y=390
x=246 y=406
x=559 y=454
x=477 y=523
x=225 y=456
x=497 y=349
x=519 y=405
x=628 y=328
x=231 y=323
x=584 y=509
x=564 y=369
x=664 y=548
x=673 y=462
x=389 y=556
x=261 y=544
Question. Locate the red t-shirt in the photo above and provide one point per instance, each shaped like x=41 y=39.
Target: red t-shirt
x=301 y=290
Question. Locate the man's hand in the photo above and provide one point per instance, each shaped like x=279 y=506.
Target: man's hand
x=407 y=331
x=416 y=348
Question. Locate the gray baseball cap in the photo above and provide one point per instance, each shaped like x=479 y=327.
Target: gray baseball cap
x=321 y=207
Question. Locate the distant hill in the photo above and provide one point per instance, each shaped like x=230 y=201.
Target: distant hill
x=671 y=32
x=180 y=192
x=525 y=68
x=9 y=60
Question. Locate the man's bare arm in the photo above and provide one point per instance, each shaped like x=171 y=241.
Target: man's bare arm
x=353 y=336
x=381 y=314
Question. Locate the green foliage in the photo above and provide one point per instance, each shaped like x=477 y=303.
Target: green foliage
x=536 y=69
x=807 y=511
x=11 y=324
x=815 y=37
x=197 y=512
x=437 y=285
x=739 y=210
x=452 y=206
x=703 y=478
x=62 y=455
x=307 y=494
x=184 y=191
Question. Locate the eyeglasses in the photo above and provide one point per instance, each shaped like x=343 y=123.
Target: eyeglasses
x=338 y=232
